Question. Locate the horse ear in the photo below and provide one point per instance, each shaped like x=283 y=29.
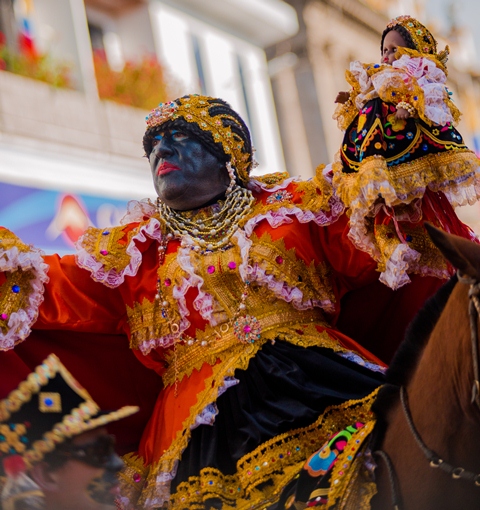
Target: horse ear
x=461 y=253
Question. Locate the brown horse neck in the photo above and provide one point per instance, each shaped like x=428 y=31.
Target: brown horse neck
x=439 y=396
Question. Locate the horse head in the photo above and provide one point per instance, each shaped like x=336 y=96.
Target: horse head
x=428 y=452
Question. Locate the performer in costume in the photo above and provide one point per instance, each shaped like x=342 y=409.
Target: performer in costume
x=55 y=452
x=228 y=287
x=402 y=161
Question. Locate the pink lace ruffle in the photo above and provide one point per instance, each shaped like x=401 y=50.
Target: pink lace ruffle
x=285 y=214
x=20 y=321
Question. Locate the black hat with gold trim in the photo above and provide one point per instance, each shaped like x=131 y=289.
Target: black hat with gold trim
x=47 y=408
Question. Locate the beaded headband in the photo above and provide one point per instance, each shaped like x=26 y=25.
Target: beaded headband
x=421 y=36
x=196 y=109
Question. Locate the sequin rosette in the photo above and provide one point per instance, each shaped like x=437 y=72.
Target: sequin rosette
x=247 y=329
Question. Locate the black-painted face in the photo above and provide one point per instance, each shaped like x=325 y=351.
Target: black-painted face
x=185 y=175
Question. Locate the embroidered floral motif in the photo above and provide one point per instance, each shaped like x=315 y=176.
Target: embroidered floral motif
x=396 y=124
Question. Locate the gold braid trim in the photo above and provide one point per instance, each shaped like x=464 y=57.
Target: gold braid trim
x=286 y=325
x=277 y=461
x=352 y=487
x=403 y=183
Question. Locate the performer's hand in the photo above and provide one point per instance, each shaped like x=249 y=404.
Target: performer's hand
x=402 y=114
x=342 y=97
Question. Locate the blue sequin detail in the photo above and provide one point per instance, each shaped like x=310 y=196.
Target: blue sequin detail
x=16 y=289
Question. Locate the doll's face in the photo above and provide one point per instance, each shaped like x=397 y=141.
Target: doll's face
x=393 y=40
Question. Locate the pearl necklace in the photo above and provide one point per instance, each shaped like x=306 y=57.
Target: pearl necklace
x=211 y=232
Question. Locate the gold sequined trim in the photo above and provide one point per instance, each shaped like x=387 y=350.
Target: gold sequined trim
x=352 y=487
x=220 y=343
x=277 y=461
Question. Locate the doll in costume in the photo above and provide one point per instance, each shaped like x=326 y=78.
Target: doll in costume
x=402 y=162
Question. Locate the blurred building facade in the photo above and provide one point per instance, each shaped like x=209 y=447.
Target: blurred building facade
x=70 y=142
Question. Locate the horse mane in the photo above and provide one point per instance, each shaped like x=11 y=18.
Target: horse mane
x=406 y=358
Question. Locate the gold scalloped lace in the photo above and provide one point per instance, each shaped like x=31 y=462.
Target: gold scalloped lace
x=96 y=240
x=313 y=279
x=440 y=172
x=387 y=240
